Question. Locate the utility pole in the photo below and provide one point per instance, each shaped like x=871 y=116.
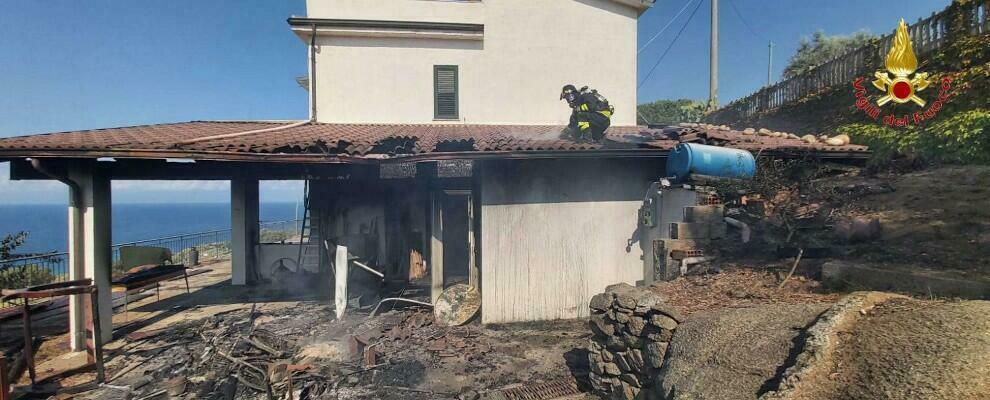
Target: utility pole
x=770 y=65
x=713 y=78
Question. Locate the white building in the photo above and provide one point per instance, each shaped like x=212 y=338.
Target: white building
x=477 y=62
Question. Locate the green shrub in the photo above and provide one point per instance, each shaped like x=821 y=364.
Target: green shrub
x=27 y=275
x=960 y=138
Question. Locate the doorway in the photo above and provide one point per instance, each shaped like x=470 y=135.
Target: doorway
x=453 y=240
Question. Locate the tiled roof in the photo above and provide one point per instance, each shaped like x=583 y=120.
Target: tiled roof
x=377 y=141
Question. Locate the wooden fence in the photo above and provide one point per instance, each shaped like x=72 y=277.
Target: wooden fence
x=928 y=34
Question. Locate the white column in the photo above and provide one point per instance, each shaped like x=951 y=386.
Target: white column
x=436 y=244
x=245 y=233
x=90 y=254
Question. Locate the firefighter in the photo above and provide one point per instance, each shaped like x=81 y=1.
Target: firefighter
x=591 y=114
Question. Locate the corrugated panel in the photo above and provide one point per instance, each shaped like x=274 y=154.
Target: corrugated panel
x=541 y=270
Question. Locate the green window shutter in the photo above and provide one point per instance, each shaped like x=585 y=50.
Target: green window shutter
x=445 y=92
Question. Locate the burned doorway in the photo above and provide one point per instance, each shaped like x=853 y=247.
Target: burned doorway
x=453 y=250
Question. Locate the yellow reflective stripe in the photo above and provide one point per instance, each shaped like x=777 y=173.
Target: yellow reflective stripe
x=584 y=125
x=606 y=113
x=584 y=107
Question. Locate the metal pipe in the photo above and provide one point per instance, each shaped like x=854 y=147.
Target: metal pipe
x=312 y=75
x=312 y=105
x=422 y=303
x=239 y=134
x=744 y=231
x=369 y=269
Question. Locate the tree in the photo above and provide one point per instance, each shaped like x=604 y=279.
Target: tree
x=11 y=242
x=821 y=48
x=670 y=112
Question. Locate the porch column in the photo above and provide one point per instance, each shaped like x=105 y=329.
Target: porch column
x=436 y=244
x=90 y=254
x=244 y=234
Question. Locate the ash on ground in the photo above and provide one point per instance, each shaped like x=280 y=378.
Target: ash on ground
x=303 y=352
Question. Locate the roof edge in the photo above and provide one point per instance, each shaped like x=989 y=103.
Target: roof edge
x=313 y=158
x=386 y=24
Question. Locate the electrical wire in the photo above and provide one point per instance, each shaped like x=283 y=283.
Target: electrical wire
x=662 y=30
x=664 y=54
x=732 y=4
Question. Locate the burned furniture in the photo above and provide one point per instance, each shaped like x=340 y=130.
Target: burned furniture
x=147 y=277
x=94 y=343
x=146 y=266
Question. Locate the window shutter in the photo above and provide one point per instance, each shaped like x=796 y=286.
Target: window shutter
x=445 y=92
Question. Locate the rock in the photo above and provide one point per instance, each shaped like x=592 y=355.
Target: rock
x=838 y=140
x=653 y=353
x=600 y=326
x=859 y=229
x=620 y=360
x=632 y=341
x=810 y=139
x=628 y=392
x=596 y=367
x=630 y=379
x=607 y=356
x=595 y=347
x=596 y=381
x=601 y=302
x=595 y=358
x=635 y=359
x=663 y=321
x=669 y=311
x=625 y=303
x=625 y=295
x=616 y=344
x=621 y=317
x=469 y=395
x=661 y=336
x=636 y=325
x=648 y=299
x=611 y=369
x=749 y=131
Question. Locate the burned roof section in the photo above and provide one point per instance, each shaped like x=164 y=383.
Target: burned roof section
x=276 y=140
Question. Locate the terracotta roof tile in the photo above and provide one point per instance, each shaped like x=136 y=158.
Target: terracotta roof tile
x=365 y=140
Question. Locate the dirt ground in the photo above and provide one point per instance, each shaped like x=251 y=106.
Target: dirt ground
x=739 y=286
x=910 y=349
x=936 y=218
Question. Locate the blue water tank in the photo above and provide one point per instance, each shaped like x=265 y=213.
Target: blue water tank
x=690 y=158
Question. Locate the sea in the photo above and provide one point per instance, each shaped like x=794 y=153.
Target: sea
x=47 y=224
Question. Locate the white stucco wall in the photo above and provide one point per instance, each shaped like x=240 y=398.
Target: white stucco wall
x=513 y=75
x=554 y=233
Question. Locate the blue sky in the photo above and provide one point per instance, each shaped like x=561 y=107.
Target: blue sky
x=70 y=65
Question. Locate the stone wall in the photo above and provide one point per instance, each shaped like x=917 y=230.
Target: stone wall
x=632 y=327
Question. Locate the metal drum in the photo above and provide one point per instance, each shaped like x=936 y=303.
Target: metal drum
x=723 y=162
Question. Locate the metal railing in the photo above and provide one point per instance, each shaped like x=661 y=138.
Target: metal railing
x=211 y=245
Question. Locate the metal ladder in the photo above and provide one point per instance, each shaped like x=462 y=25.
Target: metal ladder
x=309 y=238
